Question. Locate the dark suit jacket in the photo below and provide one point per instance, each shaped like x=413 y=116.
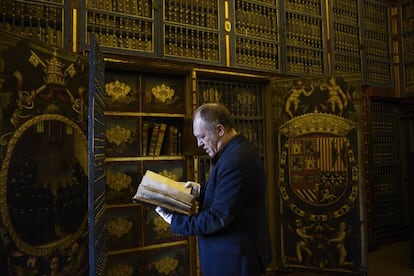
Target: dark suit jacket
x=232 y=222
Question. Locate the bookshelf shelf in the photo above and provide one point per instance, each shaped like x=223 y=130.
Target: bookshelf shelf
x=145 y=248
x=143 y=114
x=145 y=158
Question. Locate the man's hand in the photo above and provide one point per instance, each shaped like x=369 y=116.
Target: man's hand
x=165 y=214
x=195 y=188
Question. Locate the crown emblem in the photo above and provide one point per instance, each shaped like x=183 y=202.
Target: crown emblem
x=55 y=79
x=56 y=74
x=317 y=123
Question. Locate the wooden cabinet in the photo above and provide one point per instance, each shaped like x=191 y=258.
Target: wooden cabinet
x=385 y=168
x=146 y=110
x=407 y=46
x=385 y=185
x=406 y=117
x=145 y=114
x=319 y=175
x=44 y=159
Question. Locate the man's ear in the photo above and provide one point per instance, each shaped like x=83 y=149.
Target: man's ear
x=220 y=129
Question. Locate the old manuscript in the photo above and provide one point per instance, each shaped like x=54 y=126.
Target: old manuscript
x=162 y=191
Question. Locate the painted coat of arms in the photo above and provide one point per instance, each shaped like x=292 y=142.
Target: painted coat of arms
x=319 y=183
x=318 y=169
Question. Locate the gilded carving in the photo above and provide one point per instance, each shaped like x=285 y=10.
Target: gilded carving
x=317 y=123
x=55 y=86
x=169 y=174
x=166 y=265
x=118 y=181
x=163 y=93
x=118 y=135
x=160 y=226
x=119 y=91
x=211 y=95
x=118 y=227
x=124 y=270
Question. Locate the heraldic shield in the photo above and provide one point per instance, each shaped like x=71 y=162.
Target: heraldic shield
x=320 y=170
x=319 y=182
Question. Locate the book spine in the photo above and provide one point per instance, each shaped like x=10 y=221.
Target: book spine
x=178 y=144
x=134 y=7
x=154 y=139
x=160 y=139
x=144 y=138
x=172 y=140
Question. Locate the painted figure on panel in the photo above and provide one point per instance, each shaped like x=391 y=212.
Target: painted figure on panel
x=319 y=244
x=337 y=100
x=302 y=245
x=294 y=98
x=338 y=241
x=330 y=95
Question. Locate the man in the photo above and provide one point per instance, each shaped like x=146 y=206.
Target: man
x=232 y=222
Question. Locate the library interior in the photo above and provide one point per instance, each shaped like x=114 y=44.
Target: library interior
x=95 y=93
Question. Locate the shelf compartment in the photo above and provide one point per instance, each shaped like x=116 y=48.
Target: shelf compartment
x=305 y=61
x=42 y=21
x=124 y=25
x=377 y=43
x=191 y=43
x=251 y=52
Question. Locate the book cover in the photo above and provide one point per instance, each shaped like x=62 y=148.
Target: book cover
x=159 y=190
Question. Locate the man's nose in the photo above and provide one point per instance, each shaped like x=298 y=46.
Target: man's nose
x=199 y=143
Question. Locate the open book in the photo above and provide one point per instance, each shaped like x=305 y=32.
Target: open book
x=162 y=191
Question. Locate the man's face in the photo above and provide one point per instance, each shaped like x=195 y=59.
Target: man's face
x=208 y=139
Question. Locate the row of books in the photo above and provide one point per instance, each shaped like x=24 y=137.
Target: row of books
x=159 y=138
